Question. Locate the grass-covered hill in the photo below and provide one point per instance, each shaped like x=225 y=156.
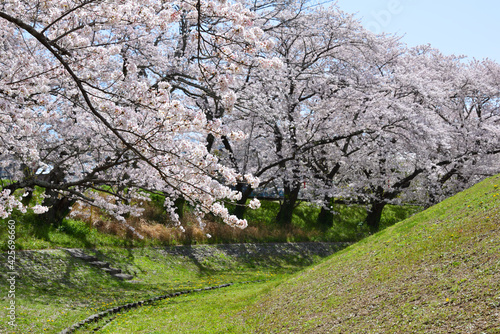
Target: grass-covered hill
x=54 y=290
x=437 y=272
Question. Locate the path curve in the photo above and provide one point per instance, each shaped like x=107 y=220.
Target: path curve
x=98 y=316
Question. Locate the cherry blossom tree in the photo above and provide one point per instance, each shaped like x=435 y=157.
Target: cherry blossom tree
x=327 y=93
x=465 y=113
x=105 y=102
x=358 y=116
x=103 y=95
x=448 y=140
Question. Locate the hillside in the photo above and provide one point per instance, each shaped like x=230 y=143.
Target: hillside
x=55 y=290
x=437 y=272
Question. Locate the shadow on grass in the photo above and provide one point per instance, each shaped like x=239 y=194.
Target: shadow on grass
x=44 y=276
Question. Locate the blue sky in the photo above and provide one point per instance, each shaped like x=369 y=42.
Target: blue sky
x=461 y=27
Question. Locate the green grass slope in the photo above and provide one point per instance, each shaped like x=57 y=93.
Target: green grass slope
x=437 y=272
x=54 y=290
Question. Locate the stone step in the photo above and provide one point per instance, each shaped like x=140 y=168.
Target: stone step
x=87 y=258
x=105 y=266
x=75 y=252
x=123 y=277
x=81 y=255
x=112 y=271
x=100 y=264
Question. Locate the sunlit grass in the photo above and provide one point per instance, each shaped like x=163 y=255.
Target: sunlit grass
x=56 y=291
x=437 y=272
x=215 y=311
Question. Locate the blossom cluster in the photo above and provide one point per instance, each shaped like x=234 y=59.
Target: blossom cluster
x=112 y=101
x=103 y=100
x=9 y=203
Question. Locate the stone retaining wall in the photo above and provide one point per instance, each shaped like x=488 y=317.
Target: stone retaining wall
x=305 y=249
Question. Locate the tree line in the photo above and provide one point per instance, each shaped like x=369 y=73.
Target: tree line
x=210 y=102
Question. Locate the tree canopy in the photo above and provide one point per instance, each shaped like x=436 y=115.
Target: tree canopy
x=107 y=102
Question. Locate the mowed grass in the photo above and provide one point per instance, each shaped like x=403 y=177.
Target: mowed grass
x=54 y=291
x=437 y=272
x=214 y=311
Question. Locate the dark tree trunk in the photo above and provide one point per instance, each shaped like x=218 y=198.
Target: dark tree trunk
x=325 y=217
x=241 y=207
x=374 y=215
x=377 y=206
x=210 y=142
x=27 y=199
x=179 y=204
x=59 y=208
x=27 y=172
x=284 y=217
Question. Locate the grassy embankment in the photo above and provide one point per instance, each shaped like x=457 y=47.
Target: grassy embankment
x=436 y=272
x=54 y=291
